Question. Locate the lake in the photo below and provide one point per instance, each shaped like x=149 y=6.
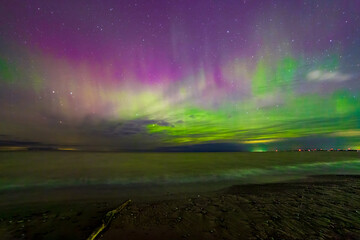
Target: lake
x=25 y=169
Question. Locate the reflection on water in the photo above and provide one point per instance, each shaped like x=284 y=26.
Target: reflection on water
x=54 y=169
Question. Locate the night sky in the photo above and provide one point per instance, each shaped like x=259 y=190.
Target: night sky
x=145 y=75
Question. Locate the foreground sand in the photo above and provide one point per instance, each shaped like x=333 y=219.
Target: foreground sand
x=322 y=207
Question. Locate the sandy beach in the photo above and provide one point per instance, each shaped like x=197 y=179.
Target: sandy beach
x=318 y=207
x=177 y=120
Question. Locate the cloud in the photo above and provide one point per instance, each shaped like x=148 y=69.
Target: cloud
x=347 y=133
x=268 y=140
x=325 y=76
x=205 y=147
x=126 y=128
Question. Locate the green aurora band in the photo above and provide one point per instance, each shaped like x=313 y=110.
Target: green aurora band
x=133 y=81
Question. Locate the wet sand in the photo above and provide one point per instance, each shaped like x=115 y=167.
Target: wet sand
x=319 y=207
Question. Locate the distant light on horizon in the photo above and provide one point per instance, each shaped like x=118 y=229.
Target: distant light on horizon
x=115 y=76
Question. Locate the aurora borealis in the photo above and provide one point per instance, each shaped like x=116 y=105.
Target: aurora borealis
x=145 y=75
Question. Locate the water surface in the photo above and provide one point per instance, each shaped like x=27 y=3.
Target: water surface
x=59 y=169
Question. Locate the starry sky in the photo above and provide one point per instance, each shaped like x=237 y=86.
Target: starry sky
x=249 y=75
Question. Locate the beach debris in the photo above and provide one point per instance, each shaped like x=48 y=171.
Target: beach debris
x=107 y=220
